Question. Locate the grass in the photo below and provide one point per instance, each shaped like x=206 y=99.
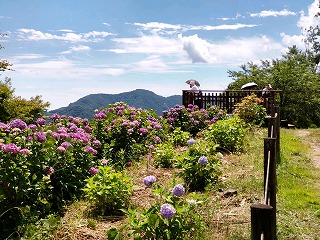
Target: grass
x=298 y=196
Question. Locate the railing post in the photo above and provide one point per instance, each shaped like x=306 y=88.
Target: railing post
x=270 y=178
x=261 y=222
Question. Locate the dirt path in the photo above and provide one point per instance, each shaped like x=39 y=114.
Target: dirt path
x=314 y=141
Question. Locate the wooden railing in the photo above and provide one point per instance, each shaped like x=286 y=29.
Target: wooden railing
x=228 y=99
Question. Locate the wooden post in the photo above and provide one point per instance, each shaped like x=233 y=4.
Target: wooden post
x=261 y=222
x=277 y=132
x=270 y=178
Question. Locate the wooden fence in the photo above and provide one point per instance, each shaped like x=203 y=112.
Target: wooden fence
x=263 y=215
x=227 y=99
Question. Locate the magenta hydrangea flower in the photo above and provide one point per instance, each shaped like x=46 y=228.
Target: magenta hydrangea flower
x=151 y=147
x=90 y=150
x=32 y=127
x=93 y=171
x=178 y=190
x=41 y=121
x=104 y=161
x=24 y=151
x=149 y=180
x=18 y=123
x=61 y=149
x=49 y=170
x=167 y=211
x=143 y=131
x=40 y=136
x=54 y=117
x=158 y=139
x=203 y=160
x=97 y=143
x=11 y=147
x=66 y=144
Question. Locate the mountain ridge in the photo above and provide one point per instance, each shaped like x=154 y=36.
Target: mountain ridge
x=139 y=98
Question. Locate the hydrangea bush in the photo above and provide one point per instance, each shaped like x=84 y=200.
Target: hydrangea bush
x=196 y=169
x=172 y=216
x=126 y=132
x=108 y=190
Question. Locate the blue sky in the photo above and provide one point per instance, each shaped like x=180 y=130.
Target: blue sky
x=65 y=50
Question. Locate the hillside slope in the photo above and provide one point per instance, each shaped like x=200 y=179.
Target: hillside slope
x=139 y=98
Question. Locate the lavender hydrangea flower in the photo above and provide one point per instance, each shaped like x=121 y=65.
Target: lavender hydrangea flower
x=143 y=131
x=167 y=211
x=25 y=151
x=178 y=190
x=65 y=144
x=203 y=160
x=191 y=141
x=93 y=171
x=148 y=180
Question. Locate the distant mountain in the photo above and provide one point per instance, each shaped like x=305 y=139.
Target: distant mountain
x=138 y=98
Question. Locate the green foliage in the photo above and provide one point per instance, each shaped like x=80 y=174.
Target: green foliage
x=178 y=137
x=295 y=75
x=13 y=107
x=228 y=134
x=152 y=224
x=251 y=111
x=197 y=170
x=108 y=190
x=164 y=155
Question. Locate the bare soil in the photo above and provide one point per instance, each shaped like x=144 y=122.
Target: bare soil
x=314 y=145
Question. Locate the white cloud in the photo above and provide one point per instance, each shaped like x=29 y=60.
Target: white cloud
x=151 y=65
x=272 y=13
x=309 y=20
x=289 y=40
x=79 y=48
x=147 y=45
x=169 y=29
x=35 y=35
x=233 y=51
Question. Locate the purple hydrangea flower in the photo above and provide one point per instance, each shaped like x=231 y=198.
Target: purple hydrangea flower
x=93 y=171
x=41 y=121
x=40 y=136
x=97 y=143
x=191 y=141
x=66 y=144
x=148 y=180
x=143 y=131
x=18 y=123
x=167 y=211
x=178 y=190
x=151 y=147
x=49 y=170
x=61 y=149
x=90 y=150
x=11 y=147
x=203 y=160
x=104 y=161
x=158 y=139
x=25 y=151
x=32 y=127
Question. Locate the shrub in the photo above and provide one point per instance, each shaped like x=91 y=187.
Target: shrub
x=251 y=110
x=170 y=217
x=108 y=190
x=228 y=134
x=178 y=137
x=197 y=170
x=164 y=154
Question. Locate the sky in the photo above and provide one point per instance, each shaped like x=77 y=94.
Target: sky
x=64 y=50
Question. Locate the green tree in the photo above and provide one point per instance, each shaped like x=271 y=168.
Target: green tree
x=12 y=107
x=293 y=74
